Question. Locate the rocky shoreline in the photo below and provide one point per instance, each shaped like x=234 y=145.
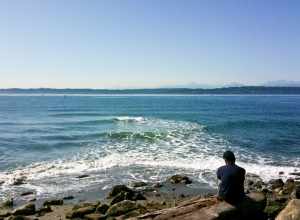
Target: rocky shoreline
x=171 y=199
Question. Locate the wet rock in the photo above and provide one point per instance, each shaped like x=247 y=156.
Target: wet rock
x=138 y=184
x=19 y=217
x=118 y=189
x=276 y=183
x=179 y=179
x=53 y=202
x=81 y=212
x=27 y=193
x=68 y=198
x=19 y=181
x=8 y=203
x=121 y=208
x=27 y=209
x=291 y=211
x=157 y=185
x=43 y=210
x=121 y=197
x=95 y=216
x=82 y=176
x=281 y=173
x=295 y=173
x=133 y=196
x=102 y=208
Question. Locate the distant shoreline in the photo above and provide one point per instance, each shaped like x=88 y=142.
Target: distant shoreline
x=245 y=90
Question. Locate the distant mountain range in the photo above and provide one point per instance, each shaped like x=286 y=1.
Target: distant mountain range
x=278 y=83
x=253 y=90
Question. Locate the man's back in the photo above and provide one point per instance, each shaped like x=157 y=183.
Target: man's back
x=231 y=188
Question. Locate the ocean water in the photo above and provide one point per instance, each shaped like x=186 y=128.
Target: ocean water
x=52 y=139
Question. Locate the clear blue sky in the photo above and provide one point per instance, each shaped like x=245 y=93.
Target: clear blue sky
x=147 y=43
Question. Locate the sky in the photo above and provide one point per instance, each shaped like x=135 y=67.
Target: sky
x=147 y=43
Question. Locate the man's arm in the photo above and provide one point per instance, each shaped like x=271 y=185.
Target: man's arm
x=219 y=174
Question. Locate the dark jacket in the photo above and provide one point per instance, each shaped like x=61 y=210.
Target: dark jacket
x=231 y=188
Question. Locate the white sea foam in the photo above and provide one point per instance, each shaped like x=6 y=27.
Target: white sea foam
x=186 y=147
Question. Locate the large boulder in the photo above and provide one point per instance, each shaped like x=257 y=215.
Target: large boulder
x=212 y=209
x=291 y=211
x=27 y=209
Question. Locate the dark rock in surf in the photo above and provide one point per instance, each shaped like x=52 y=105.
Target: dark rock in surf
x=27 y=193
x=138 y=184
x=82 y=176
x=53 y=202
x=176 y=179
x=68 y=198
x=295 y=173
x=118 y=189
x=19 y=181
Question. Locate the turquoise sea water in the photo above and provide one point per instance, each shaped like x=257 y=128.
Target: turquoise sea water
x=116 y=139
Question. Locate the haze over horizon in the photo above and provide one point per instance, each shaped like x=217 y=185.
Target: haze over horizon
x=148 y=44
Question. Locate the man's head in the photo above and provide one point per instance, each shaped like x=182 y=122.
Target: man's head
x=229 y=157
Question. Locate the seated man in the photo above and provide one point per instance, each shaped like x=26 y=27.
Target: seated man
x=231 y=188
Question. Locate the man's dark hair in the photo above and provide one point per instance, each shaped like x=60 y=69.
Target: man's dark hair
x=229 y=156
